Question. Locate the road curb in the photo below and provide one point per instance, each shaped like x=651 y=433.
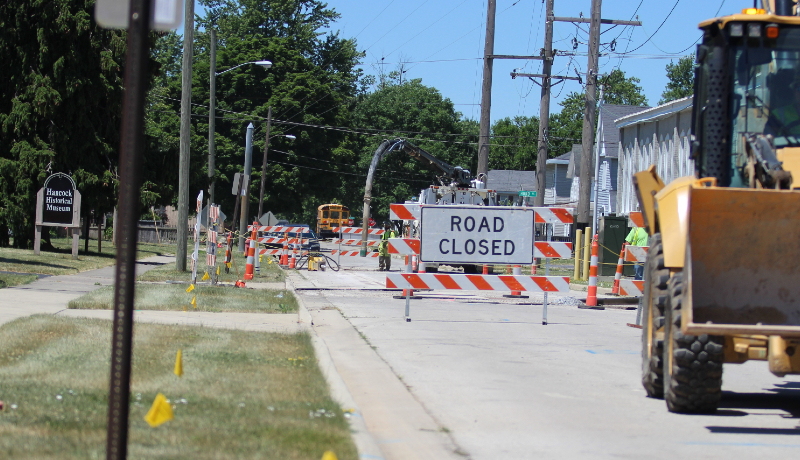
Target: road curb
x=365 y=443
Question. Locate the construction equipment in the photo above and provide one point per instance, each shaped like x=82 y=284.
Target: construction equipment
x=721 y=278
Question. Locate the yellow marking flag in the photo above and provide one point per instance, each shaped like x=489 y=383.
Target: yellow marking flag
x=179 y=364
x=205 y=277
x=190 y=288
x=160 y=412
x=217 y=270
x=194 y=301
x=328 y=455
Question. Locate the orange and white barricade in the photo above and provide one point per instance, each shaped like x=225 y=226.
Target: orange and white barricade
x=335 y=252
x=459 y=282
x=552 y=250
x=636 y=253
x=635 y=219
x=632 y=288
x=356 y=242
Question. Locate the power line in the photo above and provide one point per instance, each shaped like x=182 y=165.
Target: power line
x=425 y=29
x=659 y=28
x=396 y=25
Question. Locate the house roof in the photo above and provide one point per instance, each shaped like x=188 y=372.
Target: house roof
x=654 y=113
x=504 y=180
x=609 y=113
x=561 y=159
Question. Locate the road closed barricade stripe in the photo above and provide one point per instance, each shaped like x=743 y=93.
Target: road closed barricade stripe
x=352 y=253
x=631 y=288
x=440 y=281
x=404 y=211
x=636 y=219
x=358 y=230
x=636 y=253
x=356 y=242
x=552 y=250
x=405 y=246
x=277 y=229
x=553 y=215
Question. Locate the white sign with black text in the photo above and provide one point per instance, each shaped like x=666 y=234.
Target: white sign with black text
x=476 y=235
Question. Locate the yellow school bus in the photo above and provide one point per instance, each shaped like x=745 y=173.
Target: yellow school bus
x=330 y=216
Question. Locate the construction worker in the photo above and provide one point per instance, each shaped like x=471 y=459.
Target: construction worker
x=637 y=237
x=384 y=259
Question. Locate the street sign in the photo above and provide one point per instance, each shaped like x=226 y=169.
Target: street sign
x=476 y=235
x=527 y=194
x=113 y=14
x=268 y=219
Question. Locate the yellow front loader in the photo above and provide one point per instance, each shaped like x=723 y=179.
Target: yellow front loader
x=722 y=278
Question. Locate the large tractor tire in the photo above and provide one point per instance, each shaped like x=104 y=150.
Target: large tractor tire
x=692 y=363
x=654 y=302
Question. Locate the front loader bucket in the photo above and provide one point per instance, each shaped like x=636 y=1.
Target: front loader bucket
x=742 y=265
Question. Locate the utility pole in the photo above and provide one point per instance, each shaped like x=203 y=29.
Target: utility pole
x=598 y=149
x=544 y=107
x=248 y=169
x=186 y=106
x=587 y=139
x=264 y=165
x=212 y=121
x=486 y=94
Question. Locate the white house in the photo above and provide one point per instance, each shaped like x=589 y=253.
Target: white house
x=658 y=135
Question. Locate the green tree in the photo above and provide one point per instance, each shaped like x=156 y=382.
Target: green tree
x=311 y=85
x=681 y=80
x=514 y=143
x=420 y=114
x=566 y=127
x=60 y=106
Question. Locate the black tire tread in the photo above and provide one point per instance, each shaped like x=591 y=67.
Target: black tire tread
x=656 y=279
x=695 y=384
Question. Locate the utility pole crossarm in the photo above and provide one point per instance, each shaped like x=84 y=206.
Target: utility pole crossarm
x=602 y=21
x=541 y=75
x=508 y=56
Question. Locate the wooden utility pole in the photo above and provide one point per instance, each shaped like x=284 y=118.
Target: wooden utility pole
x=264 y=165
x=186 y=112
x=212 y=119
x=544 y=107
x=486 y=94
x=587 y=139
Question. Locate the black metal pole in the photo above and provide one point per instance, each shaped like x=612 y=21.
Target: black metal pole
x=130 y=160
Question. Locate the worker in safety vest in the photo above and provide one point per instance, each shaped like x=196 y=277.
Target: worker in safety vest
x=384 y=259
x=637 y=237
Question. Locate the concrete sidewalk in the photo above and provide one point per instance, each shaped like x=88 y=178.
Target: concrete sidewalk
x=53 y=293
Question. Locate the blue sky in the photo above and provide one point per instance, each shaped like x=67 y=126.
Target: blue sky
x=442 y=42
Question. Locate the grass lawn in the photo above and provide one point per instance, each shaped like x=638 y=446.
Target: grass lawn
x=171 y=297
x=242 y=395
x=13 y=279
x=62 y=263
x=269 y=272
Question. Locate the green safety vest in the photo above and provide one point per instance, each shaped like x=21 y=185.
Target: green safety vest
x=383 y=249
x=637 y=237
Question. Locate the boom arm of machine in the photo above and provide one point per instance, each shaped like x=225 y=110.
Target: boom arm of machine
x=447 y=174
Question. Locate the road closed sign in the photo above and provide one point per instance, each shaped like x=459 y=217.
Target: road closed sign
x=476 y=235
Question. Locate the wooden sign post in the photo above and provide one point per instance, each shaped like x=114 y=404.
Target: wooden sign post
x=58 y=204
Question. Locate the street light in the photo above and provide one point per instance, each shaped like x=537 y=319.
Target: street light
x=212 y=103
x=264 y=164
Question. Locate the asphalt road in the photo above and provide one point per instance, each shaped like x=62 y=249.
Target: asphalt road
x=504 y=386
